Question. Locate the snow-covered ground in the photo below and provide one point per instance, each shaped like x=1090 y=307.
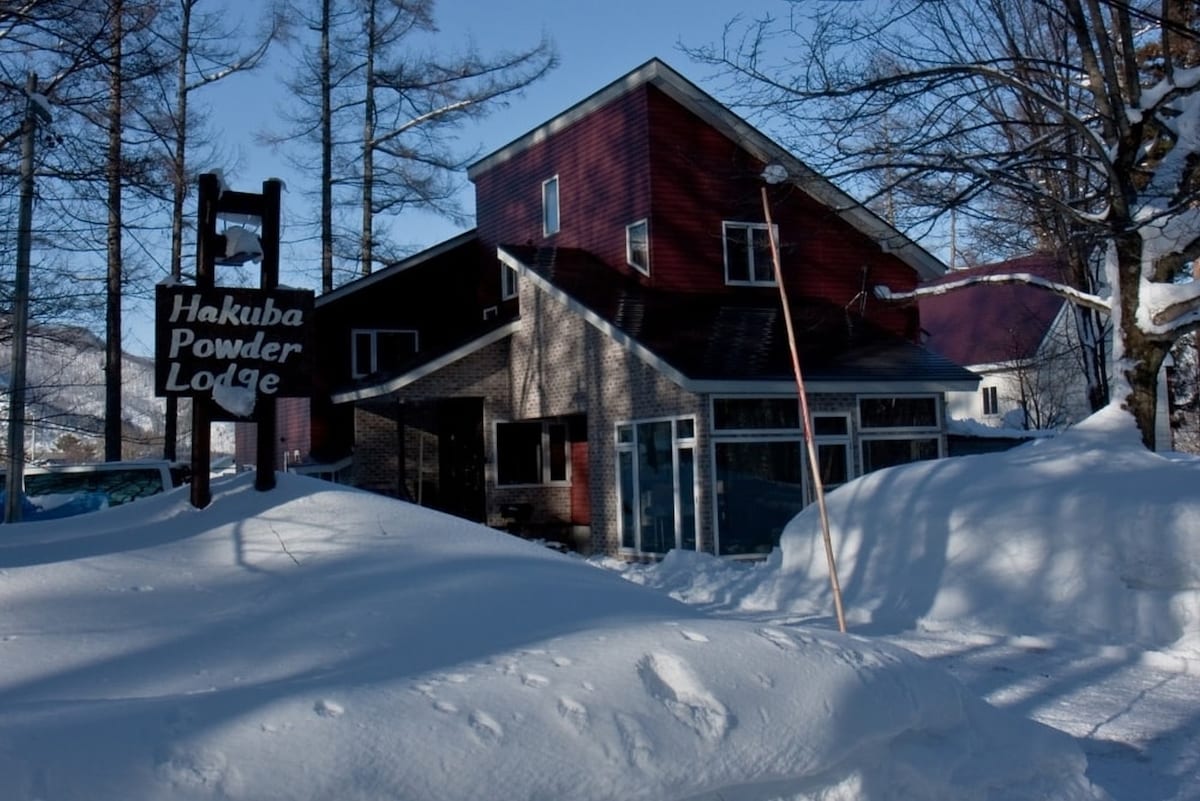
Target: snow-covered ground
x=315 y=642
x=1060 y=580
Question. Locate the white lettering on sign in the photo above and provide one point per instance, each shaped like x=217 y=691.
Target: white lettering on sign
x=192 y=310
x=236 y=338
x=233 y=376
x=185 y=342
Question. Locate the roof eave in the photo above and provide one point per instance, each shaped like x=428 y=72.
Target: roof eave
x=420 y=257
x=428 y=368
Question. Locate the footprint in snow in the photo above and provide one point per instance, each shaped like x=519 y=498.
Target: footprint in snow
x=486 y=726
x=779 y=639
x=535 y=680
x=562 y=661
x=574 y=713
x=692 y=636
x=669 y=679
x=329 y=709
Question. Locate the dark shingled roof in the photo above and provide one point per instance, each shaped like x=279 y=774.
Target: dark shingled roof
x=737 y=336
x=994 y=323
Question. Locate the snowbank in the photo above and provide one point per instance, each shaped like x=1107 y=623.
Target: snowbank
x=1087 y=533
x=314 y=642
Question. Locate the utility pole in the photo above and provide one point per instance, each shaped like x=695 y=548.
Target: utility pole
x=15 y=477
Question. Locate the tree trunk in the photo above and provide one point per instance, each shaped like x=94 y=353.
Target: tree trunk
x=112 y=363
x=368 y=148
x=326 y=153
x=1137 y=358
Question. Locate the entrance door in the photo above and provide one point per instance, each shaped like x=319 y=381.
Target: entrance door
x=460 y=457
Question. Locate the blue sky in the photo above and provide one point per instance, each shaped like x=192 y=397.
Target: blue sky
x=597 y=43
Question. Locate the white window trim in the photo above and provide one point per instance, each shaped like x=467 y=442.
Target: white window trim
x=356 y=370
x=934 y=432
x=643 y=269
x=543 y=456
x=935 y=427
x=756 y=226
x=735 y=433
x=546 y=231
x=677 y=442
x=509 y=282
x=845 y=440
x=994 y=393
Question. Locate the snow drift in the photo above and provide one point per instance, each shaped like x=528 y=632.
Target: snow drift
x=314 y=642
x=1087 y=532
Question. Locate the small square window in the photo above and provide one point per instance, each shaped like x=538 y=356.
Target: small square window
x=532 y=452
x=748 y=257
x=637 y=246
x=550 y=220
x=381 y=350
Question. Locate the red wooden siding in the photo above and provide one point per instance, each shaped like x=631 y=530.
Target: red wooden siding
x=603 y=183
x=645 y=156
x=701 y=178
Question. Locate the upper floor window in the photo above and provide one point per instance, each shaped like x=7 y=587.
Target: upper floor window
x=748 y=253
x=550 y=206
x=637 y=246
x=508 y=282
x=376 y=350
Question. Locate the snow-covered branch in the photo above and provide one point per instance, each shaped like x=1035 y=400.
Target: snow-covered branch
x=1076 y=296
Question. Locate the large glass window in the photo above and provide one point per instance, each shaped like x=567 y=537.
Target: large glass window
x=898 y=412
x=656 y=481
x=550 y=220
x=748 y=254
x=760 y=487
x=532 y=452
x=898 y=430
x=380 y=350
x=781 y=414
x=762 y=474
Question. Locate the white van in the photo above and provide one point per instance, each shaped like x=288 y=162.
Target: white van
x=56 y=491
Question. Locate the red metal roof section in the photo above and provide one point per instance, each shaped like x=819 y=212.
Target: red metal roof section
x=992 y=323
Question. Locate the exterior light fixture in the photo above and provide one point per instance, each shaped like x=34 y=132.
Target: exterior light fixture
x=238 y=245
x=774 y=173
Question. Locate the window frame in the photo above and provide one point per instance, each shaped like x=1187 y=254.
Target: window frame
x=842 y=440
x=868 y=434
x=644 y=224
x=749 y=227
x=991 y=401
x=510 y=285
x=551 y=224
x=373 y=333
x=545 y=461
x=625 y=441
x=781 y=421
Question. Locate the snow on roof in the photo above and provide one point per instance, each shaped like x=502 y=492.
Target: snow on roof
x=992 y=324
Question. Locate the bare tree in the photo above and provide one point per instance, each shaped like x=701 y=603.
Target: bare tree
x=207 y=48
x=1050 y=104
x=409 y=102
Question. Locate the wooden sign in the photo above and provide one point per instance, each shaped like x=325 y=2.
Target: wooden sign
x=222 y=338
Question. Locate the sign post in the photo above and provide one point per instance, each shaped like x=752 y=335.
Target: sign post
x=233 y=350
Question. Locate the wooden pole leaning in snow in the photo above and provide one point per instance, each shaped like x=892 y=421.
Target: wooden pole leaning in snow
x=806 y=419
